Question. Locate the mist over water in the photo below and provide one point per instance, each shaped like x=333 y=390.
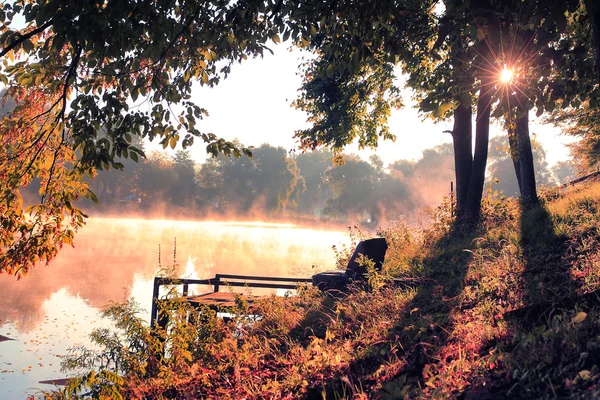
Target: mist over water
x=56 y=306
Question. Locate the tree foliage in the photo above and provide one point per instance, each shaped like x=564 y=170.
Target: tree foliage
x=583 y=123
x=350 y=88
x=312 y=166
x=90 y=78
x=77 y=69
x=268 y=182
x=453 y=56
x=501 y=169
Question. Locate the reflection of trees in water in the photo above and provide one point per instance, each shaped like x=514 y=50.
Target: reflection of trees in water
x=111 y=254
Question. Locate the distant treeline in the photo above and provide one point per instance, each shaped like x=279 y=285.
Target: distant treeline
x=277 y=183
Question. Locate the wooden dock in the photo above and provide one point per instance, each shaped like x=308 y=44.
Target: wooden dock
x=222 y=300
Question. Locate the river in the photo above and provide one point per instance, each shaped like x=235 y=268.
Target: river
x=56 y=306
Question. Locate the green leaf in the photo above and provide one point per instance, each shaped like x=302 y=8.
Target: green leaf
x=330 y=70
x=28 y=45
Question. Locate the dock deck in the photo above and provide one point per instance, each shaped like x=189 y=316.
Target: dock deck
x=222 y=300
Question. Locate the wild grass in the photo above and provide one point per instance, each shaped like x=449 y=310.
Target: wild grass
x=448 y=337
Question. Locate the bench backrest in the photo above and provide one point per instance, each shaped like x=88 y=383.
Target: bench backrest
x=374 y=249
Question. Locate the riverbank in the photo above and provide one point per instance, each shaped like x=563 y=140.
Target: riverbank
x=458 y=336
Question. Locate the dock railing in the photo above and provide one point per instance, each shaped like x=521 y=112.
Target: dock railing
x=228 y=280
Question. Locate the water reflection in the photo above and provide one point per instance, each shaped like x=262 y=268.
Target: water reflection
x=56 y=306
x=109 y=253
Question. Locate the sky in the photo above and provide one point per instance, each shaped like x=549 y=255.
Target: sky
x=254 y=105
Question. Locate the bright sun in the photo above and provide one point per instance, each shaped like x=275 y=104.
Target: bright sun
x=506 y=75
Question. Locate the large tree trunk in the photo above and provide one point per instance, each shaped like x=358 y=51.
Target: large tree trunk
x=463 y=154
x=514 y=154
x=482 y=135
x=528 y=189
x=593 y=10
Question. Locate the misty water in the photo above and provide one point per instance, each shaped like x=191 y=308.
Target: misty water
x=56 y=307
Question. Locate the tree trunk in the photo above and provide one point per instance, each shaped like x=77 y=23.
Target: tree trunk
x=528 y=189
x=462 y=137
x=482 y=135
x=593 y=10
x=514 y=154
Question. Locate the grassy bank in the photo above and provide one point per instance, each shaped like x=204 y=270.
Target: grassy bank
x=456 y=335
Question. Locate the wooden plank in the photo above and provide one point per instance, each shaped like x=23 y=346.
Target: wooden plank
x=259 y=285
x=264 y=278
x=220 y=299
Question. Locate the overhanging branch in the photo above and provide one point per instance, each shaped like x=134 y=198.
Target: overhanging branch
x=24 y=37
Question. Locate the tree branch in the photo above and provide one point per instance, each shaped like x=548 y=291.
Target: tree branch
x=24 y=37
x=164 y=52
x=71 y=72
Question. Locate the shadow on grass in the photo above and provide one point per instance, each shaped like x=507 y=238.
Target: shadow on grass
x=546 y=278
x=546 y=273
x=422 y=353
x=417 y=334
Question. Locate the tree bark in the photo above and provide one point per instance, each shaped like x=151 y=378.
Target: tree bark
x=514 y=154
x=528 y=189
x=462 y=137
x=593 y=10
x=482 y=136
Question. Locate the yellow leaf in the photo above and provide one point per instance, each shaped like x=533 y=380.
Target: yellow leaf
x=584 y=374
x=442 y=109
x=580 y=317
x=26 y=80
x=275 y=38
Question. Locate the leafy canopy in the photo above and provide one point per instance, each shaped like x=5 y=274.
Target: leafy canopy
x=88 y=78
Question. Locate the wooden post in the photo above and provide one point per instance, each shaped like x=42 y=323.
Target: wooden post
x=155 y=291
x=451 y=198
x=217 y=283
